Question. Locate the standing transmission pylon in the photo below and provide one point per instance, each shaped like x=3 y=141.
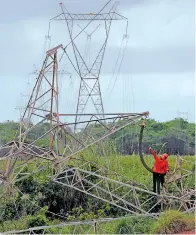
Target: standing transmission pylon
x=88 y=71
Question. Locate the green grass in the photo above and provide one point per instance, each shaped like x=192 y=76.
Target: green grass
x=11 y=225
x=127 y=166
x=131 y=166
x=172 y=222
x=129 y=225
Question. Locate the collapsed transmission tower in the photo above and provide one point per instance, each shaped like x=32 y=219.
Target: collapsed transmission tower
x=63 y=148
x=89 y=74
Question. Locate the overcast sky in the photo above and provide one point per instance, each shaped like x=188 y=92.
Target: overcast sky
x=157 y=73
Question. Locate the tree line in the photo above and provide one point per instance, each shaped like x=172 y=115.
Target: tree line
x=175 y=137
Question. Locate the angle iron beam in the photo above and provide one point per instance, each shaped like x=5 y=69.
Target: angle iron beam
x=97 y=17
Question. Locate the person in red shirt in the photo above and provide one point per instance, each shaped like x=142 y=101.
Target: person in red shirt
x=159 y=170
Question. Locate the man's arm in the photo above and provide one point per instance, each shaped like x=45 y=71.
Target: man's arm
x=153 y=153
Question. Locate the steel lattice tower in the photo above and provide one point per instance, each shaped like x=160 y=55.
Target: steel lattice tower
x=89 y=88
x=62 y=145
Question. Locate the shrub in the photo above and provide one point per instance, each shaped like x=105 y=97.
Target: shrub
x=124 y=227
x=172 y=222
x=35 y=221
x=38 y=220
x=8 y=211
x=134 y=225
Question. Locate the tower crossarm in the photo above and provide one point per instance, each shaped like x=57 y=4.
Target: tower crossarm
x=91 y=16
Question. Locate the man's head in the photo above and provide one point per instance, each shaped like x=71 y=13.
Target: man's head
x=164 y=156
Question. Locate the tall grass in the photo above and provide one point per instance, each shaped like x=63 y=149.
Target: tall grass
x=127 y=166
x=172 y=222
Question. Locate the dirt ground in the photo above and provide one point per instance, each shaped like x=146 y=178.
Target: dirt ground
x=189 y=232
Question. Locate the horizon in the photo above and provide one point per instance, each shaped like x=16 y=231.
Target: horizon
x=176 y=118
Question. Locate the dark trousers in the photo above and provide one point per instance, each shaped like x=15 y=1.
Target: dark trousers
x=157 y=180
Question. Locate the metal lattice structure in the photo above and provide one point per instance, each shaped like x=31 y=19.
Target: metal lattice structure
x=42 y=108
x=88 y=74
x=65 y=155
x=97 y=226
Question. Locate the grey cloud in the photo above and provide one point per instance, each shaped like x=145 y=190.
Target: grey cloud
x=153 y=60
x=11 y=11
x=20 y=19
x=148 y=60
x=136 y=60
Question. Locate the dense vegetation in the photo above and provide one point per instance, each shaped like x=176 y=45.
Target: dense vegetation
x=36 y=200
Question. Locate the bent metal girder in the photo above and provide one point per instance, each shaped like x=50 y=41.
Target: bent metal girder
x=106 y=186
x=110 y=188
x=43 y=108
x=64 y=144
x=125 y=196
x=74 y=144
x=94 y=227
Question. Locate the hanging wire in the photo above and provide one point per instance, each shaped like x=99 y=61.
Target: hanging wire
x=123 y=54
x=129 y=106
x=47 y=41
x=115 y=67
x=87 y=49
x=70 y=92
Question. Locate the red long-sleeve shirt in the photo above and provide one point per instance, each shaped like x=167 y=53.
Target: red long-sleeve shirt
x=161 y=163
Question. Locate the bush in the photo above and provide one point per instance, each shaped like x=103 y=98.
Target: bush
x=38 y=220
x=11 y=225
x=27 y=185
x=124 y=227
x=172 y=222
x=35 y=221
x=134 y=225
x=8 y=211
